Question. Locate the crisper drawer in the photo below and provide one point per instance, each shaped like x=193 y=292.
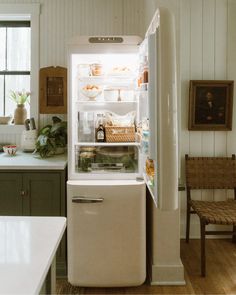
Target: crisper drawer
x=106 y=233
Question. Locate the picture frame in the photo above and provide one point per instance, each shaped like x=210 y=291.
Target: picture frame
x=210 y=105
x=53 y=90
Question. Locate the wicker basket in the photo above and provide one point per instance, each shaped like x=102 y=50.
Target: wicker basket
x=119 y=134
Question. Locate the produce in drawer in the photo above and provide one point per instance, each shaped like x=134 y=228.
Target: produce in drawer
x=117 y=157
x=91 y=91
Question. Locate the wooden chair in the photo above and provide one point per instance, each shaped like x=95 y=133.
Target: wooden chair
x=211 y=173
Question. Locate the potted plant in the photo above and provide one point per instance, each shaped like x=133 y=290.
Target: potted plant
x=20 y=98
x=52 y=139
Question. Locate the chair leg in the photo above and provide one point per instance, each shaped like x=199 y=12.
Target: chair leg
x=203 y=242
x=188 y=214
x=234 y=234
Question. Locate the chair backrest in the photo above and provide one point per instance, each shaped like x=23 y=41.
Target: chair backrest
x=210 y=172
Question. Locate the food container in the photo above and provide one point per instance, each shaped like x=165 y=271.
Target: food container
x=111 y=94
x=127 y=95
x=90 y=149
x=96 y=69
x=85 y=161
x=83 y=70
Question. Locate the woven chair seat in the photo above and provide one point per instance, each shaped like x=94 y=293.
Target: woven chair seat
x=221 y=212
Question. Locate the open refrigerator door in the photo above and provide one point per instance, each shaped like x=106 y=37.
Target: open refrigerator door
x=158 y=111
x=148 y=108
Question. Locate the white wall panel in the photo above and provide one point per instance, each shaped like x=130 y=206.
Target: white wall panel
x=133 y=17
x=212 y=56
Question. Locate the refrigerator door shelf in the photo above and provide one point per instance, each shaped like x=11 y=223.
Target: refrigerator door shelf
x=106 y=239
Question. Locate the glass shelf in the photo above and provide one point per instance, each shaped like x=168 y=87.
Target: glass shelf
x=103 y=102
x=107 y=144
x=101 y=79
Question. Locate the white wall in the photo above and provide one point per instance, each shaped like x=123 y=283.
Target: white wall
x=207 y=51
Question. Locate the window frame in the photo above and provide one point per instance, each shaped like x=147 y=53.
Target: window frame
x=6 y=72
x=27 y=12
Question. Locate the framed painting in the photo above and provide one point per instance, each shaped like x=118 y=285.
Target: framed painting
x=210 y=105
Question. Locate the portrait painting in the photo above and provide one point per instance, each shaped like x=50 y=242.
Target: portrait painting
x=210 y=105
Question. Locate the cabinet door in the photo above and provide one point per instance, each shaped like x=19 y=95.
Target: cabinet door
x=10 y=194
x=43 y=194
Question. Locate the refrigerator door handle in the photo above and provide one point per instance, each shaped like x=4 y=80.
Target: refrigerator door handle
x=82 y=199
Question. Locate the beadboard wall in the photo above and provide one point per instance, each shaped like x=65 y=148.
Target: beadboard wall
x=206 y=50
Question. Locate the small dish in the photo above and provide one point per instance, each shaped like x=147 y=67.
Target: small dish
x=10 y=149
x=5 y=120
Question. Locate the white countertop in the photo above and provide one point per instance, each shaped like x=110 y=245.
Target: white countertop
x=27 y=248
x=32 y=162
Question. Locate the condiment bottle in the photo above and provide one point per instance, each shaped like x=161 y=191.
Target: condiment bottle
x=145 y=70
x=100 y=135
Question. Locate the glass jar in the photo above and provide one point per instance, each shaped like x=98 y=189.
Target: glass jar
x=96 y=69
x=85 y=161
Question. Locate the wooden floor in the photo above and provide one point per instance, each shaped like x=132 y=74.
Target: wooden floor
x=220 y=279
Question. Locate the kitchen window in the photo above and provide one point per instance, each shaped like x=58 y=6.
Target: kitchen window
x=15 y=62
x=19 y=60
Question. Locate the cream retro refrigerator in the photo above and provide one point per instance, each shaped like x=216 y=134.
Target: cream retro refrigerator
x=122 y=141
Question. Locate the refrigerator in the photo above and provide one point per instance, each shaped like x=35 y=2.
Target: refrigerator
x=122 y=102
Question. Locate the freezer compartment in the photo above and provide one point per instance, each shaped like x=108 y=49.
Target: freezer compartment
x=106 y=159
x=106 y=233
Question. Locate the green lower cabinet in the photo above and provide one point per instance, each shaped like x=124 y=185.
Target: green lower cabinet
x=42 y=195
x=35 y=193
x=10 y=194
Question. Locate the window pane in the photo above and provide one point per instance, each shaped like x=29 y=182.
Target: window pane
x=18 y=49
x=1 y=95
x=2 y=48
x=16 y=83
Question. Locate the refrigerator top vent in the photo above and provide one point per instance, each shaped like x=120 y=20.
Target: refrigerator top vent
x=106 y=40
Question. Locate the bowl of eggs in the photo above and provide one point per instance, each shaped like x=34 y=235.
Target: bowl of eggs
x=91 y=91
x=10 y=149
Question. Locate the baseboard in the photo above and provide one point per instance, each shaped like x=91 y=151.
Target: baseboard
x=172 y=275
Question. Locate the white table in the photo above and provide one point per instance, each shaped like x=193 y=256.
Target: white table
x=27 y=249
